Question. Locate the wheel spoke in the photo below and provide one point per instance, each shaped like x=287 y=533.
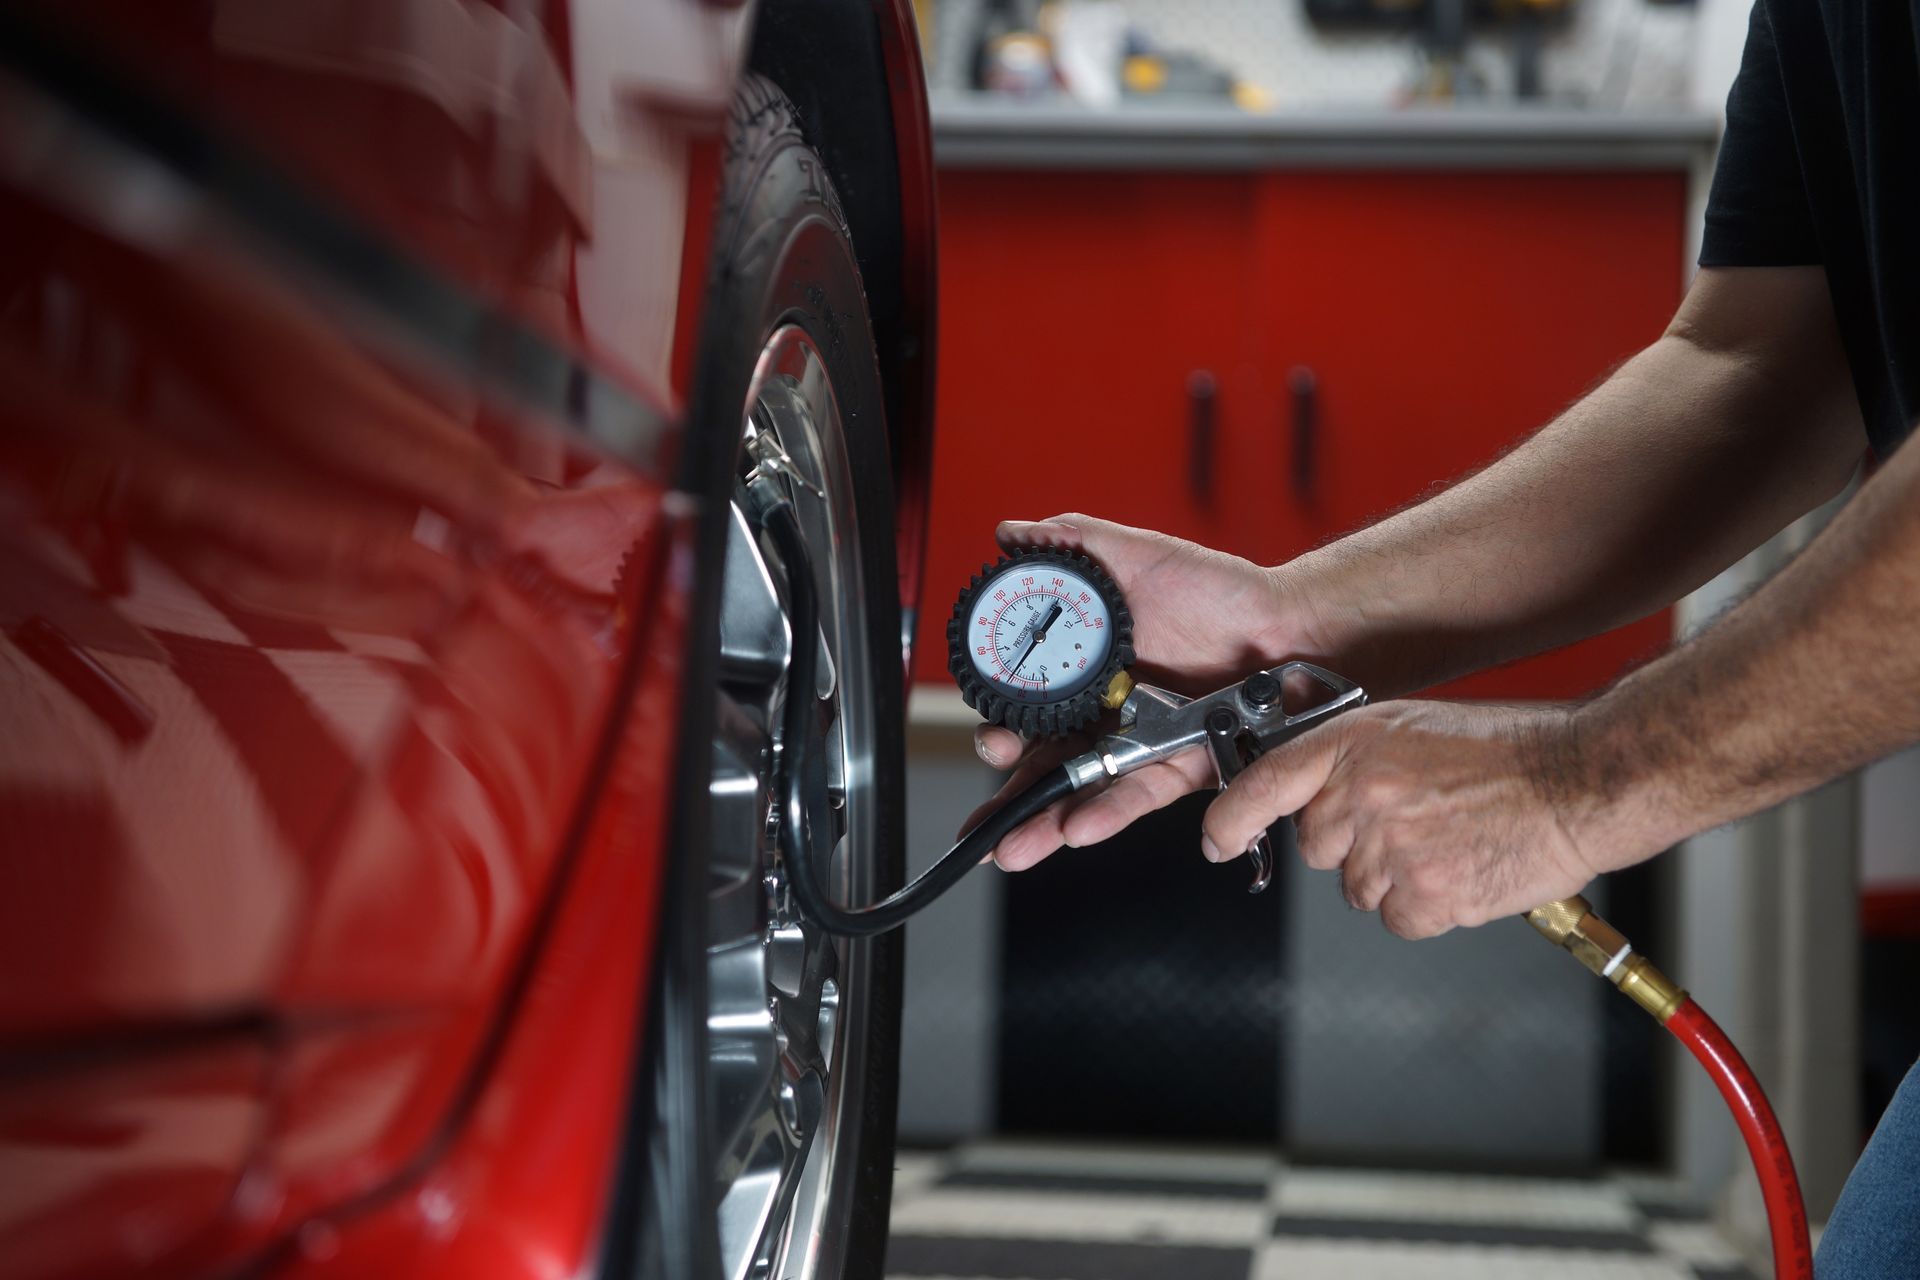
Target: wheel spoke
x=826 y=678
x=798 y=1015
x=760 y=1200
x=755 y=1192
x=740 y=725
x=737 y=800
x=743 y=1051
x=833 y=745
x=754 y=638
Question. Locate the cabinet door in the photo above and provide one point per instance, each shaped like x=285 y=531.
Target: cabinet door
x=1443 y=317
x=1083 y=320
x=1413 y=325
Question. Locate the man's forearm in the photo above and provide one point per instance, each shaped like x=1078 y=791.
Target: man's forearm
x=1691 y=454
x=1815 y=674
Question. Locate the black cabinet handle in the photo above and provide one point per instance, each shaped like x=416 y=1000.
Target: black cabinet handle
x=1304 y=385
x=1202 y=428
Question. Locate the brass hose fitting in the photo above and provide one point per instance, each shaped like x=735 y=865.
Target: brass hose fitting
x=1570 y=923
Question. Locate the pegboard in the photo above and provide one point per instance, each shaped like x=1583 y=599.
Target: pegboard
x=1611 y=54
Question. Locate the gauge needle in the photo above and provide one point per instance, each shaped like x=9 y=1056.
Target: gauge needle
x=1037 y=631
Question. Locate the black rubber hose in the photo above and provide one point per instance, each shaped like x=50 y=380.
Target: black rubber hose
x=796 y=730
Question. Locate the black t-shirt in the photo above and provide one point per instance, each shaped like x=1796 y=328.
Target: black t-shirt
x=1821 y=165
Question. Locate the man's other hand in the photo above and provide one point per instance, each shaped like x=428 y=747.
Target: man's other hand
x=1435 y=814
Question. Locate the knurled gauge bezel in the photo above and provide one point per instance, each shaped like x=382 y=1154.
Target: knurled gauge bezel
x=1039 y=719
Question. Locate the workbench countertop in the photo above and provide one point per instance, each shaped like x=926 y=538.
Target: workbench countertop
x=978 y=132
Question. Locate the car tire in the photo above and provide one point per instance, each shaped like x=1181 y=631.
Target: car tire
x=782 y=260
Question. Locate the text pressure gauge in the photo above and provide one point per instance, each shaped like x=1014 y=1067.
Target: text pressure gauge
x=1038 y=641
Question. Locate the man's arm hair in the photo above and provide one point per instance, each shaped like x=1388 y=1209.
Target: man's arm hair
x=1739 y=419
x=1815 y=674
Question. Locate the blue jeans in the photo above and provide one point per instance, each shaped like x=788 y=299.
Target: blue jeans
x=1874 y=1233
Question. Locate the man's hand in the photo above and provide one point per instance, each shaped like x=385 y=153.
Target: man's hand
x=1435 y=814
x=1200 y=619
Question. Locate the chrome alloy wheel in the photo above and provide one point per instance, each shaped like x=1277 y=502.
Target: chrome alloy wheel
x=787 y=1009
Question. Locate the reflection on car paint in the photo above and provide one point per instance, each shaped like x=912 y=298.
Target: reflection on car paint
x=305 y=653
x=343 y=346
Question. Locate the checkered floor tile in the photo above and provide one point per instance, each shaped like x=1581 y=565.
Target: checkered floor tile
x=1056 y=1211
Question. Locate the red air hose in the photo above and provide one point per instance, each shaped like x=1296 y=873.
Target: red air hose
x=1779 y=1185
x=1570 y=924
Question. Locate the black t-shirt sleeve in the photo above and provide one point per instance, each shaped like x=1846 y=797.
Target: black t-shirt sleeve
x=1757 y=213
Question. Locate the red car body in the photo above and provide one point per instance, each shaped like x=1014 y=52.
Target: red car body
x=347 y=350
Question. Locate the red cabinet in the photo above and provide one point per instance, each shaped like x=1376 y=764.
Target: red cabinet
x=1439 y=318
x=1074 y=312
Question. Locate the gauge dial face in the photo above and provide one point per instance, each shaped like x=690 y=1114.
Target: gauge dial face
x=1039 y=633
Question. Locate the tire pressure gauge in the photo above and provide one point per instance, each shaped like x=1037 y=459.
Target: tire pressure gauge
x=1040 y=642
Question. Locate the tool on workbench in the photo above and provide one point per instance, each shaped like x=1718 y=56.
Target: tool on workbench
x=1049 y=600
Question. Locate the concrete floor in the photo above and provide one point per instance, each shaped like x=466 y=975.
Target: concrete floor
x=1060 y=1211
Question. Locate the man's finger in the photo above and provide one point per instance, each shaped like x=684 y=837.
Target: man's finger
x=1277 y=784
x=1407 y=917
x=1028 y=843
x=1055 y=531
x=1323 y=839
x=1106 y=814
x=1364 y=879
x=1000 y=748
x=1034 y=840
x=1041 y=755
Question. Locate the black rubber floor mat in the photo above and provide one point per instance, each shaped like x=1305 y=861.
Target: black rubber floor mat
x=1141 y=991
